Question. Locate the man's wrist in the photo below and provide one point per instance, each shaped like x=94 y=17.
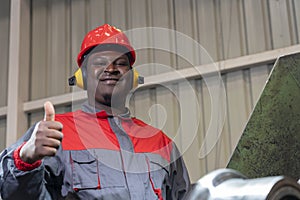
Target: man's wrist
x=20 y=164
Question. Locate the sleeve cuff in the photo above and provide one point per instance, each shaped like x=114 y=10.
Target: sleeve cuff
x=20 y=164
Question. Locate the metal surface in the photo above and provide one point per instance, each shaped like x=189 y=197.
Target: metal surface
x=270 y=144
x=231 y=185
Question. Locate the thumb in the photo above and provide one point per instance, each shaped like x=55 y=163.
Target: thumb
x=49 y=111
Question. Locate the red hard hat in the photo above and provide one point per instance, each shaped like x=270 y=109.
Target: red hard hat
x=105 y=34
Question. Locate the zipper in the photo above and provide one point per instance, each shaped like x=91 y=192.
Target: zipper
x=124 y=172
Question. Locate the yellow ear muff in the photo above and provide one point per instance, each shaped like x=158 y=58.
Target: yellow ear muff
x=137 y=79
x=79 y=78
x=135 y=82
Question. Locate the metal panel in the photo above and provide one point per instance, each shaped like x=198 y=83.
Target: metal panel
x=296 y=7
x=138 y=17
x=204 y=121
x=183 y=19
x=206 y=19
x=137 y=13
x=256 y=35
x=168 y=110
x=161 y=16
x=204 y=100
x=279 y=23
x=50 y=48
x=161 y=12
x=232 y=29
x=238 y=105
x=58 y=47
x=18 y=74
x=258 y=78
x=118 y=14
x=2 y=133
x=223 y=149
x=205 y=116
x=78 y=29
x=4 y=41
x=267 y=24
x=189 y=124
x=213 y=123
x=96 y=13
x=223 y=27
x=142 y=104
x=292 y=20
x=39 y=51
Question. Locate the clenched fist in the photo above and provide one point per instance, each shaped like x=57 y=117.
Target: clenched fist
x=45 y=139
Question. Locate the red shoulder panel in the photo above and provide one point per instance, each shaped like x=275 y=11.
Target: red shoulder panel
x=85 y=131
x=146 y=138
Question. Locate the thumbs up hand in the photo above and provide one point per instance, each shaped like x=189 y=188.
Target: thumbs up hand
x=45 y=139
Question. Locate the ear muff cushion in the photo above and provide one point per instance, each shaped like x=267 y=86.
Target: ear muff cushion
x=135 y=81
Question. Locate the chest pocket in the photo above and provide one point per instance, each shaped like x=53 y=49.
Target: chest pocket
x=84 y=170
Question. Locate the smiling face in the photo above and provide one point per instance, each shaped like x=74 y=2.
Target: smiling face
x=109 y=79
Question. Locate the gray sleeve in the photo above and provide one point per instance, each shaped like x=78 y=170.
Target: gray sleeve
x=16 y=184
x=179 y=181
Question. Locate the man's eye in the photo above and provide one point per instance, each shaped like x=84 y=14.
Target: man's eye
x=99 y=64
x=122 y=64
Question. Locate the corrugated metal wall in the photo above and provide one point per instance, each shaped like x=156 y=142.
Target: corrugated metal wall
x=226 y=29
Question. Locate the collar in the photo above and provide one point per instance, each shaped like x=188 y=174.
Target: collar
x=103 y=114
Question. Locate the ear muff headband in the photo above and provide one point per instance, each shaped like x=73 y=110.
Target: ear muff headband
x=79 y=79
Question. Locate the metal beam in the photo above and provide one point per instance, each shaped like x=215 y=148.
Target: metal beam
x=224 y=66
x=18 y=73
x=56 y=100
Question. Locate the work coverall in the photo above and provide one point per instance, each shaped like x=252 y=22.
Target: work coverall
x=101 y=157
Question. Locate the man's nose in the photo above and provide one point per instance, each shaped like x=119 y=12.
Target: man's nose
x=111 y=68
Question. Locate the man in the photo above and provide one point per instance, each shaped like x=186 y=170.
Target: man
x=100 y=151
